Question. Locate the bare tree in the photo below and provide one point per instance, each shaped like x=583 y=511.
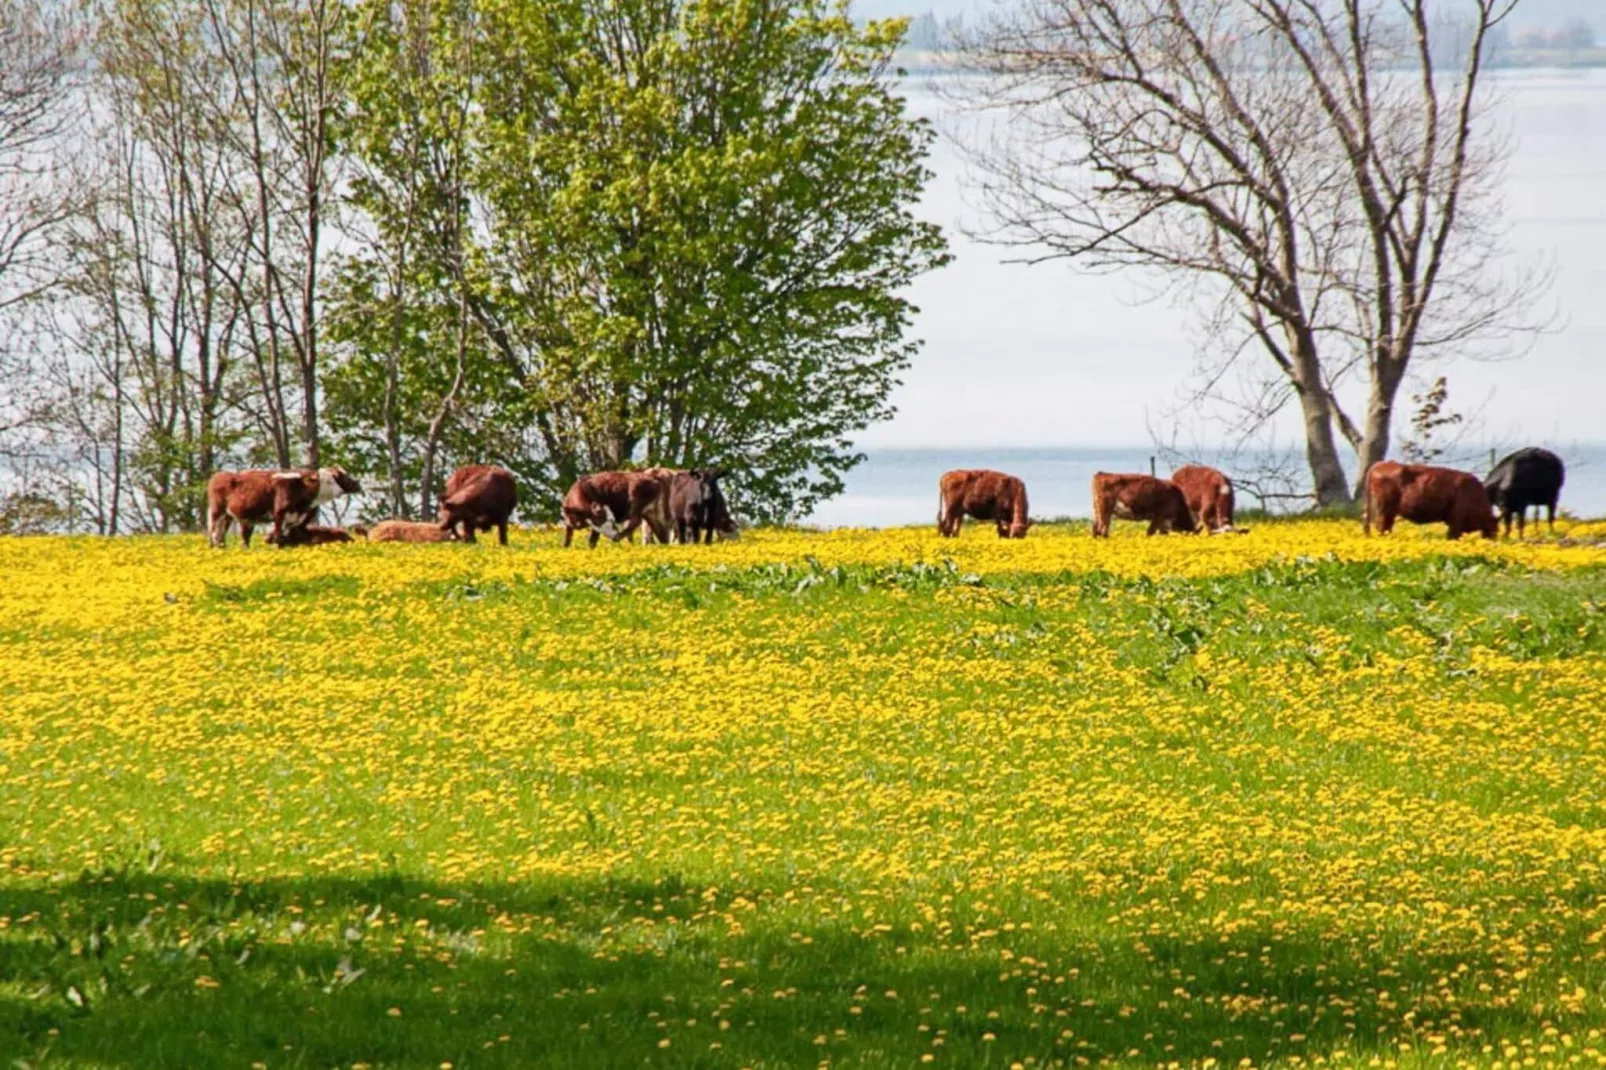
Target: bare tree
x=285 y=94
x=1318 y=173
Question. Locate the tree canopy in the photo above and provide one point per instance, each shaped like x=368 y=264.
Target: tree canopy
x=605 y=232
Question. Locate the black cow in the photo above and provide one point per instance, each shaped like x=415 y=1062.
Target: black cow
x=697 y=506
x=1529 y=477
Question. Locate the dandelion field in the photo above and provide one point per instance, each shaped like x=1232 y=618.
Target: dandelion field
x=865 y=799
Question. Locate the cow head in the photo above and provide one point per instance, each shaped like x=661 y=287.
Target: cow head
x=335 y=481
x=719 y=513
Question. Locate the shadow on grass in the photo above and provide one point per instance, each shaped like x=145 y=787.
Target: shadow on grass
x=141 y=970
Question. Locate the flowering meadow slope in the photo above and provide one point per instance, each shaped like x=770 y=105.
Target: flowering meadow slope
x=867 y=799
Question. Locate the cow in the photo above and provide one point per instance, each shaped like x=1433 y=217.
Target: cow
x=314 y=535
x=479 y=496
x=1425 y=494
x=289 y=498
x=410 y=531
x=1209 y=496
x=1529 y=477
x=602 y=500
x=697 y=506
x=1138 y=497
x=985 y=495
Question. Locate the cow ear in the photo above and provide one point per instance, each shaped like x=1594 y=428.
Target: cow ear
x=718 y=473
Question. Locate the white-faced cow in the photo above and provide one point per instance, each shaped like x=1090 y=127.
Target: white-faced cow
x=286 y=497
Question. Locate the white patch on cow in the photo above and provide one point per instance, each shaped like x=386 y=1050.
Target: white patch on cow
x=282 y=477
x=328 y=488
x=607 y=527
x=1123 y=511
x=293 y=520
x=1225 y=529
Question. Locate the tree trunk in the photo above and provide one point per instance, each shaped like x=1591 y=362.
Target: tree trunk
x=1386 y=377
x=1321 y=448
x=309 y=414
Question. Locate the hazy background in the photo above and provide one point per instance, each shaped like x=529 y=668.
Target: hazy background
x=1075 y=369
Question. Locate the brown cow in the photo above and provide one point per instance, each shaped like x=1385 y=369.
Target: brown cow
x=289 y=498
x=1209 y=496
x=410 y=531
x=1425 y=494
x=314 y=535
x=601 y=500
x=1139 y=497
x=479 y=496
x=985 y=495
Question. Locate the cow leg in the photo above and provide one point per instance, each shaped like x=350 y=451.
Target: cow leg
x=501 y=533
x=245 y=532
x=1522 y=523
x=468 y=531
x=1550 y=508
x=218 y=528
x=568 y=534
x=592 y=541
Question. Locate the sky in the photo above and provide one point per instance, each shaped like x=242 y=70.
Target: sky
x=1047 y=355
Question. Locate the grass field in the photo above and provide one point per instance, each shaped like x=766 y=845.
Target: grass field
x=860 y=799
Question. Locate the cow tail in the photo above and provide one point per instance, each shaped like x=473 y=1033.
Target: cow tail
x=942 y=509
x=1018 y=521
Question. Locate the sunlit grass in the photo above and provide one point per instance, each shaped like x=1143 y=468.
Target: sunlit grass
x=871 y=798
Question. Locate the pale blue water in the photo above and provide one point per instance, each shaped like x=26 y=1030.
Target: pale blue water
x=899 y=486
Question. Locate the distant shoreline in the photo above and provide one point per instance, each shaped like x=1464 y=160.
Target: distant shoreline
x=927 y=62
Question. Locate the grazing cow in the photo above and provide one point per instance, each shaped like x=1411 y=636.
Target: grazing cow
x=1139 y=497
x=479 y=496
x=1529 y=477
x=1209 y=496
x=313 y=535
x=1424 y=494
x=288 y=498
x=697 y=506
x=601 y=500
x=410 y=531
x=985 y=495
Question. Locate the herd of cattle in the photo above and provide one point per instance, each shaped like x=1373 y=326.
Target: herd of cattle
x=683 y=505
x=678 y=505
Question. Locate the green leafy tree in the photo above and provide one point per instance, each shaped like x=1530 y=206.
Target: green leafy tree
x=686 y=230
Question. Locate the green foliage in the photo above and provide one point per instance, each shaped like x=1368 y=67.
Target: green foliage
x=686 y=232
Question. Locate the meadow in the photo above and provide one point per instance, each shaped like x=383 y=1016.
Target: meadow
x=858 y=799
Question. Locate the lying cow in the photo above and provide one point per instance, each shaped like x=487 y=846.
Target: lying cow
x=287 y=498
x=1425 y=494
x=697 y=506
x=985 y=495
x=409 y=531
x=479 y=496
x=1139 y=497
x=1208 y=493
x=1529 y=477
x=314 y=535
x=601 y=501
